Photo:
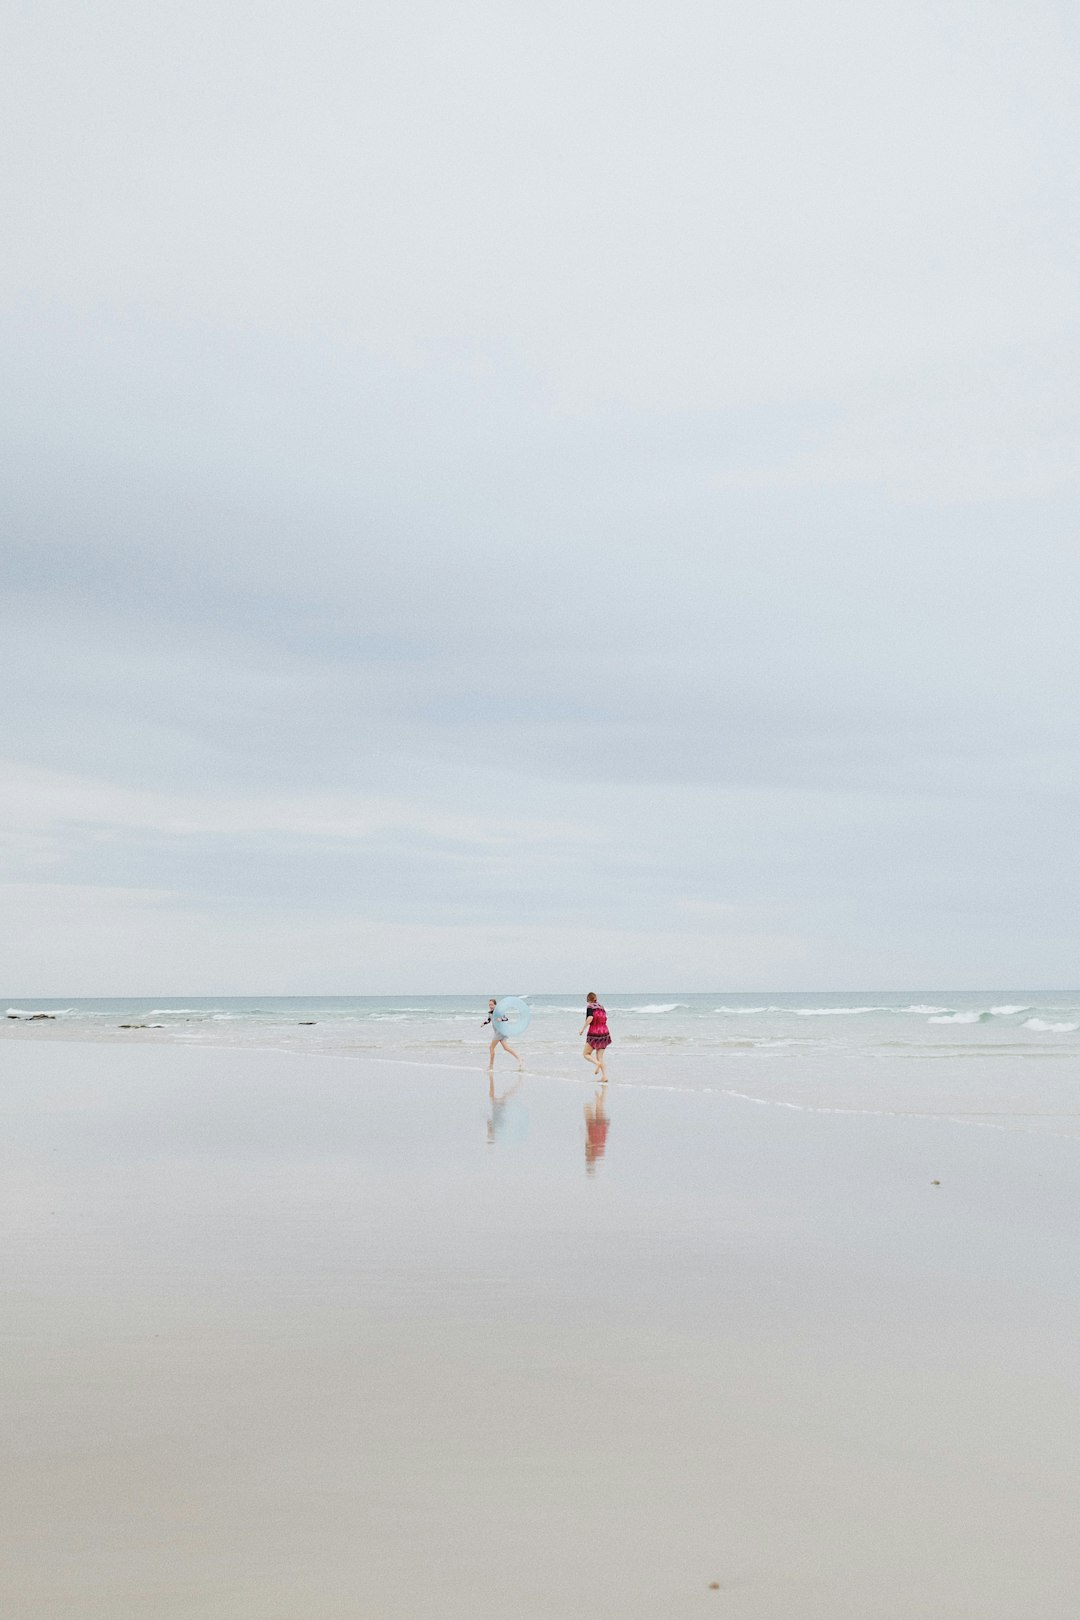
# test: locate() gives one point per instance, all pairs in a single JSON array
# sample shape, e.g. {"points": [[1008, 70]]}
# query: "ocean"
{"points": [[1004, 1059]]}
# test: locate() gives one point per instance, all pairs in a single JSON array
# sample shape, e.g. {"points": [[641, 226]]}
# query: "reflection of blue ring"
{"points": [[510, 1018]]}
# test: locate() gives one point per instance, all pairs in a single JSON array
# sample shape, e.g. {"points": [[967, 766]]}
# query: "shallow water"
{"points": [[1002, 1059]]}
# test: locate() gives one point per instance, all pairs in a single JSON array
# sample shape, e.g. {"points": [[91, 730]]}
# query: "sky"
{"points": [[539, 494]]}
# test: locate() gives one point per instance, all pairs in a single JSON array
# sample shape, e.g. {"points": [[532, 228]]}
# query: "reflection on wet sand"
{"points": [[596, 1129], [505, 1121]]}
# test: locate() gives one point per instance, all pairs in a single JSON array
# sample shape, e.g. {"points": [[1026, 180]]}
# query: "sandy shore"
{"points": [[314, 1339]]}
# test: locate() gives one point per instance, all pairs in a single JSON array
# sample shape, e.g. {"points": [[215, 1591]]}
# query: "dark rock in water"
{"points": [[140, 1026], [32, 1018], [304, 1022]]}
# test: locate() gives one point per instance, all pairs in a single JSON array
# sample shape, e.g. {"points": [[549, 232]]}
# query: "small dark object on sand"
{"points": [[714, 1586], [935, 1184]]}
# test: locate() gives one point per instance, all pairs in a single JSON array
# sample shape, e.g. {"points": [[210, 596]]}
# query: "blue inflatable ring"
{"points": [[510, 1018]]}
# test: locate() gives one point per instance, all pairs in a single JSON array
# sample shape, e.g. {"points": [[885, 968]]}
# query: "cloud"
{"points": [[482, 471], [1001, 428], [659, 209], [76, 935]]}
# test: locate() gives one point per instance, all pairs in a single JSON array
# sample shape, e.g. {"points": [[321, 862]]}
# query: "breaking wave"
{"points": [[41, 1012], [654, 1007], [836, 1012]]}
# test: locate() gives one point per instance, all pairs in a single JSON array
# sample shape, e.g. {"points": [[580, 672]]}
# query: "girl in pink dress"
{"points": [[598, 1039]]}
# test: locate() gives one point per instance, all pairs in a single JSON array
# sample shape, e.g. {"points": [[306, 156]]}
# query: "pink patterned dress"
{"points": [[599, 1035]]}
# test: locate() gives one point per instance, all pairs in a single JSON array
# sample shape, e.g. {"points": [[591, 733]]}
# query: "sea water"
{"points": [[1004, 1059]]}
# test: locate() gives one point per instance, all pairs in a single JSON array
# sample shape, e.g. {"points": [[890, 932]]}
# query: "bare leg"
{"points": [[491, 1055], [514, 1054], [589, 1055], [600, 1069]]}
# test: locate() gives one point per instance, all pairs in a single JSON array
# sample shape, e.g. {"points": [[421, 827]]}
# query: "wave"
{"points": [[42, 1012], [655, 1007], [1049, 1029], [163, 1012], [1006, 1012], [959, 1018], [736, 1012], [836, 1012], [918, 1008]]}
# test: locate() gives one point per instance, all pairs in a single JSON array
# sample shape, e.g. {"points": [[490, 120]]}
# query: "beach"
{"points": [[335, 1336]]}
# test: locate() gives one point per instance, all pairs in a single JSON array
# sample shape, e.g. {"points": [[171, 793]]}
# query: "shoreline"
{"points": [[986, 1118]]}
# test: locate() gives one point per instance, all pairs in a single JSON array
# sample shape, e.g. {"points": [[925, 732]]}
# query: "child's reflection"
{"points": [[596, 1129], [504, 1122]]}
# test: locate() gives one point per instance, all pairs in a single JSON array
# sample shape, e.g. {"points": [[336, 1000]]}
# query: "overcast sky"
{"points": [[534, 493]]}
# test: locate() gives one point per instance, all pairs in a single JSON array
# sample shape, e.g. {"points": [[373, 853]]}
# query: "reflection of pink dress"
{"points": [[598, 1036], [596, 1138]]}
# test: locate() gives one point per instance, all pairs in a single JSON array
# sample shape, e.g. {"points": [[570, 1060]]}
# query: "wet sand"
{"points": [[295, 1338]]}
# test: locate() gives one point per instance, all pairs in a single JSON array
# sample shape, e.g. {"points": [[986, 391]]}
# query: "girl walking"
{"points": [[498, 1040], [598, 1038]]}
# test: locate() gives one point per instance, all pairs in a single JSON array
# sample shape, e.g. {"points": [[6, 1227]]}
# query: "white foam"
{"points": [[958, 1018], [657, 1007], [835, 1012], [1006, 1012], [41, 1012], [736, 1012], [176, 1012], [1050, 1029], [918, 1008]]}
